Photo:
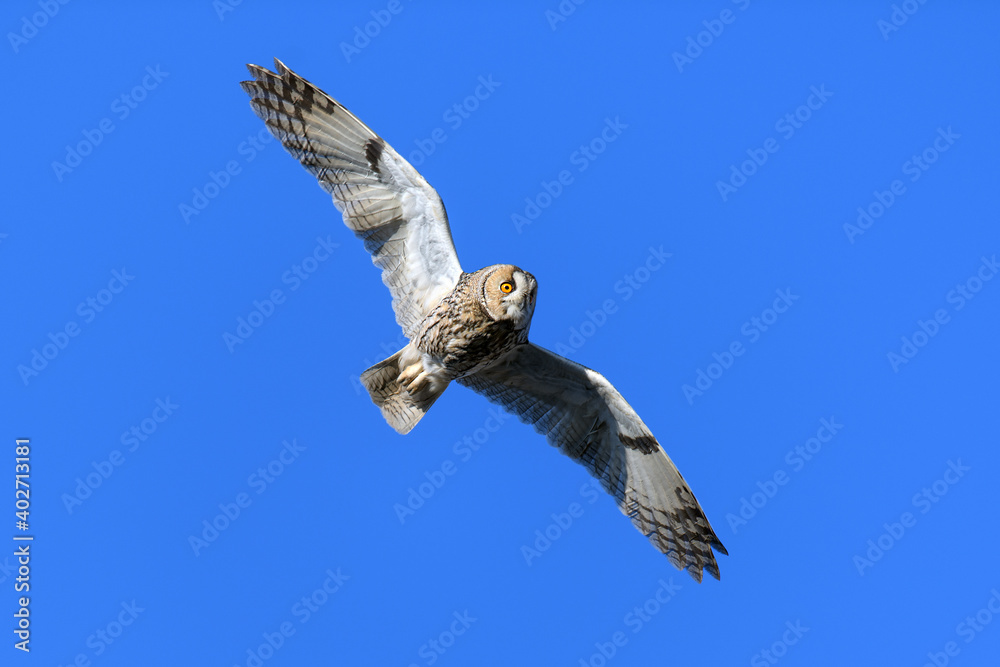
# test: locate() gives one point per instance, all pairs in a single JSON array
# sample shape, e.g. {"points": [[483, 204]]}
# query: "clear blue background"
{"points": [[334, 506]]}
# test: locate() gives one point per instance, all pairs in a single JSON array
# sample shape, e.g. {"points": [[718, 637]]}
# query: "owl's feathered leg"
{"points": [[402, 388]]}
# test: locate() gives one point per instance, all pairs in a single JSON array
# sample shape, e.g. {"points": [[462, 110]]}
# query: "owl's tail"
{"points": [[402, 389]]}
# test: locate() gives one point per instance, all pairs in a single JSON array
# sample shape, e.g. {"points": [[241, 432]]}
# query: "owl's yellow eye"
{"points": [[506, 288]]}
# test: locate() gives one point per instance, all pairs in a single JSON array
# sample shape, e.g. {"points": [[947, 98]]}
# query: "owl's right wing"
{"points": [[582, 414], [383, 199]]}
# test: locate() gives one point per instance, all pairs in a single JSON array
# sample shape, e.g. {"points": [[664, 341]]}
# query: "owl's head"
{"points": [[508, 293]]}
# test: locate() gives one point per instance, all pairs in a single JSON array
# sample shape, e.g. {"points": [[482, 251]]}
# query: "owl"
{"points": [[472, 328]]}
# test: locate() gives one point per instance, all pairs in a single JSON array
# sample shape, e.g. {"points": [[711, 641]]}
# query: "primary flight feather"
{"points": [[473, 327]]}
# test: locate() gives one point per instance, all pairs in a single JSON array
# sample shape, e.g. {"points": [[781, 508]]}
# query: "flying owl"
{"points": [[472, 328]]}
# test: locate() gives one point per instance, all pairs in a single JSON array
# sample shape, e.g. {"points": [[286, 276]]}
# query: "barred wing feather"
{"points": [[582, 414], [383, 199]]}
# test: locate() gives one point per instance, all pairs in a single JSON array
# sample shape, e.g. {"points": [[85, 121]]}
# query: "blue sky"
{"points": [[771, 226]]}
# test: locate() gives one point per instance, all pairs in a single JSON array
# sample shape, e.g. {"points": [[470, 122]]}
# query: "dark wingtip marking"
{"points": [[373, 153], [644, 443]]}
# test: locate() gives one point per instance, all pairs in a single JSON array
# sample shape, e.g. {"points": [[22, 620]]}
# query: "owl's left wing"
{"points": [[582, 414], [383, 199]]}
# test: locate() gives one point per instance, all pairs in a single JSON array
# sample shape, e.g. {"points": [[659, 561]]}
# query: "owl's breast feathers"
{"points": [[461, 335]]}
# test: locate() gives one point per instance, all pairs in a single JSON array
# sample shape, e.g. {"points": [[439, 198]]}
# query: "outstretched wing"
{"points": [[582, 414], [384, 200]]}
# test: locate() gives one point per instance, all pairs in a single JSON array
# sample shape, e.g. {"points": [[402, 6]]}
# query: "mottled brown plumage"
{"points": [[468, 329]]}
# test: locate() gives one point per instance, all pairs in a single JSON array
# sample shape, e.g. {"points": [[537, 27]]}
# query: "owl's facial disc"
{"points": [[509, 294], [519, 298]]}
